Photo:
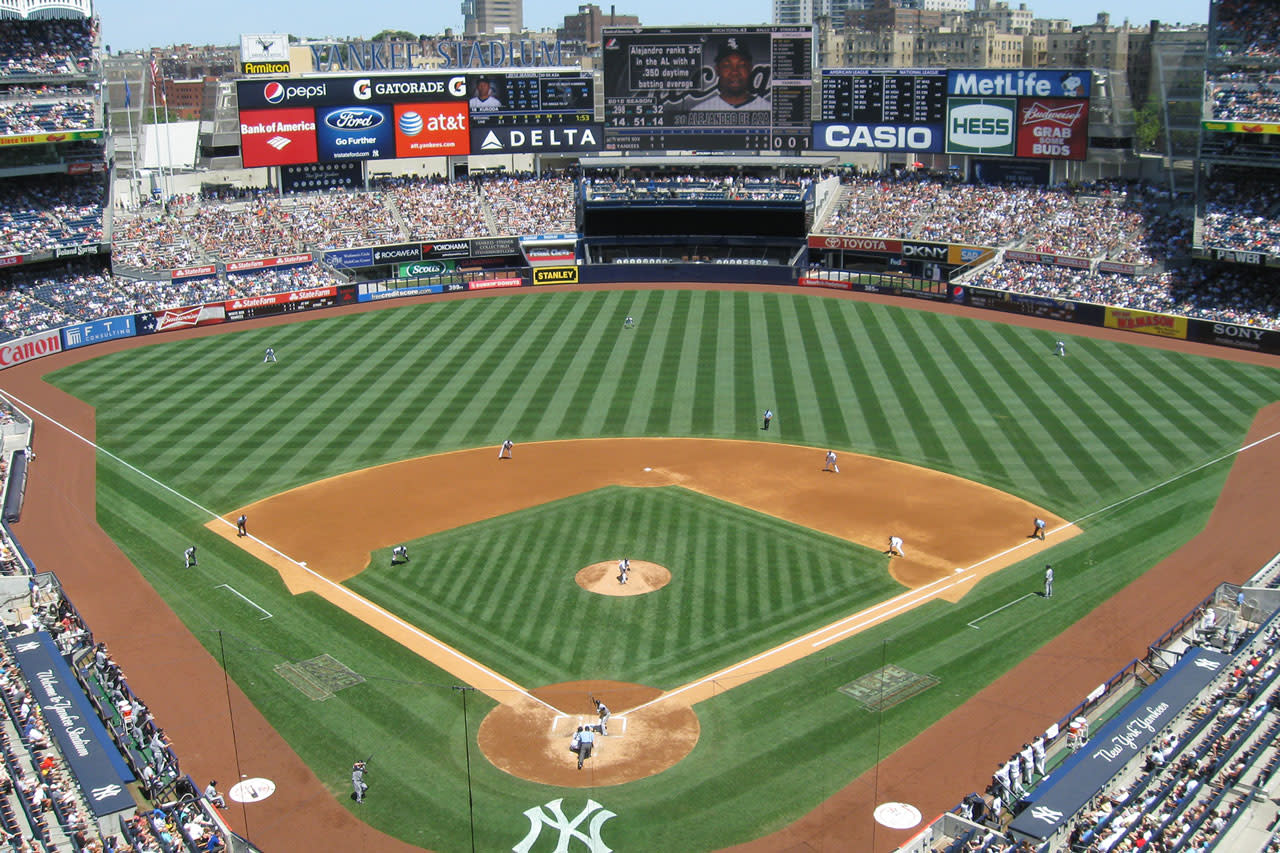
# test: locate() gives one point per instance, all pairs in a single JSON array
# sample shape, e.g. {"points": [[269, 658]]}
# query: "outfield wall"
{"points": [[1167, 326]]}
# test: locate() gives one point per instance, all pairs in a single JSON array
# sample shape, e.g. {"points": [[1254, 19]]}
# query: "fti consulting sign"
{"points": [[981, 125]]}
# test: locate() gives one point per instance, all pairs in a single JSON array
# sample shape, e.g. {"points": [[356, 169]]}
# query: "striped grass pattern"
{"points": [[982, 400]]}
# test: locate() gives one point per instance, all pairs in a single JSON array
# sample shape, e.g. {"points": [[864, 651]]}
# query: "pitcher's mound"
{"points": [[603, 578], [531, 740]]}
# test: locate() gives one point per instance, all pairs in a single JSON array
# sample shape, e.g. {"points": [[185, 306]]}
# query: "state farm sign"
{"points": [[30, 348]]}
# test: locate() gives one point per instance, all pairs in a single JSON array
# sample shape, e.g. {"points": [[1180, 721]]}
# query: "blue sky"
{"points": [[130, 24]]}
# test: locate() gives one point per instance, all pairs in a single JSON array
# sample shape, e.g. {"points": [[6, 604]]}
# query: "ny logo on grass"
{"points": [[539, 817]]}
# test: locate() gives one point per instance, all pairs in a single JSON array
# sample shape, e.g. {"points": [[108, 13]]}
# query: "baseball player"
{"points": [[768, 418], [399, 554], [1002, 780], [1015, 774], [270, 356], [1028, 763], [190, 556], [895, 547], [242, 525], [1062, 349], [628, 323], [358, 785], [831, 462], [603, 711], [586, 742], [624, 569], [1048, 581], [575, 741], [1038, 531], [1037, 753], [504, 452]]}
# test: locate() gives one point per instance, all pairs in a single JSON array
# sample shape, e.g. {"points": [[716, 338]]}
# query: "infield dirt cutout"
{"points": [[955, 532]]}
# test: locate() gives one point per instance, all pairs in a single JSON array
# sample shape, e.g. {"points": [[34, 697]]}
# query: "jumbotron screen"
{"points": [[707, 88]]}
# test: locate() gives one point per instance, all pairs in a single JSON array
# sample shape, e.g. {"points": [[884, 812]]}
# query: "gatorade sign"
{"points": [[981, 125]]}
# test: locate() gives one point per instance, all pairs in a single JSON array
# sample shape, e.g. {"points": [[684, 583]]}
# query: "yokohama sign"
{"points": [[29, 348], [856, 244]]}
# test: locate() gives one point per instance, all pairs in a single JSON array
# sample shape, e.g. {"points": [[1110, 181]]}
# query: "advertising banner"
{"points": [[337, 91], [1241, 126], [1039, 83], [76, 251], [548, 254], [172, 319], [489, 246], [926, 251], [555, 275], [10, 260], [1019, 303], [981, 125], [1048, 259], [354, 133], [418, 269], [100, 770], [349, 258], [283, 303], [29, 348], [369, 294], [530, 139], [1117, 267], [1230, 335], [446, 249], [819, 281], [491, 283], [265, 263], [961, 255], [98, 331], [277, 137], [918, 138], [1146, 322], [1239, 256], [1053, 128], [875, 245], [401, 253], [431, 130], [42, 138], [204, 271]]}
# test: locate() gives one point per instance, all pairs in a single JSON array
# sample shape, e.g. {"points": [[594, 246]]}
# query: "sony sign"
{"points": [[1242, 332], [920, 138]]}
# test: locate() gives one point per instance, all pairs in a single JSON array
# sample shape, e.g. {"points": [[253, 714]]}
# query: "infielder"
{"points": [[624, 569], [1048, 581], [270, 356], [242, 523], [190, 556], [504, 452], [1038, 531], [895, 547], [1062, 349], [399, 554], [831, 462], [358, 785]]}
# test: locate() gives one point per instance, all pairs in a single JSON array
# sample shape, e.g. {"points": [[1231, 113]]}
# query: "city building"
{"points": [[585, 26], [492, 17]]}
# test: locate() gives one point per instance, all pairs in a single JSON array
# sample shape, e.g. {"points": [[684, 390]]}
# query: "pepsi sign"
{"points": [[355, 133]]}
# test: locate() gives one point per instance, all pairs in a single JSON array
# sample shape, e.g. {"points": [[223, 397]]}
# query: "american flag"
{"points": [[156, 84]]}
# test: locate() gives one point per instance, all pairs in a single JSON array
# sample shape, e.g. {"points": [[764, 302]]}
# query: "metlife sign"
{"points": [[981, 125], [350, 90], [1040, 83], [920, 138], [533, 140]]}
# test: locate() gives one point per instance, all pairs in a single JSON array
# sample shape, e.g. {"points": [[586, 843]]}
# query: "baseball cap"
{"points": [[731, 46]]}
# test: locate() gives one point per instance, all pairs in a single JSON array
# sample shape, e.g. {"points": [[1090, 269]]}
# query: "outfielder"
{"points": [[895, 547], [628, 323], [1062, 349], [1048, 581], [399, 554], [270, 356], [504, 452], [768, 418], [190, 556], [831, 462], [1038, 531]]}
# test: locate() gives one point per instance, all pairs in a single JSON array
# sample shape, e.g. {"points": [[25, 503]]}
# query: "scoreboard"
{"points": [[884, 96], [537, 98], [664, 88]]}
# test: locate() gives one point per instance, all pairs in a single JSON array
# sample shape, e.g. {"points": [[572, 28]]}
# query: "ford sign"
{"points": [[354, 118]]}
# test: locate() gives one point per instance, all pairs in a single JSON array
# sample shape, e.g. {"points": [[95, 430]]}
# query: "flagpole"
{"points": [[133, 140]]}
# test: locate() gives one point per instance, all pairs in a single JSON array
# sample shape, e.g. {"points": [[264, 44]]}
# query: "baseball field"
{"points": [[953, 432]]}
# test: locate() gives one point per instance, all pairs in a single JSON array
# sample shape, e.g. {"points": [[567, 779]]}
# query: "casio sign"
{"points": [[981, 125], [880, 137], [354, 118]]}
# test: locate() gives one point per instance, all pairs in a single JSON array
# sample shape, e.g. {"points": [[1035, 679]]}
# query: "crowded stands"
{"points": [[46, 212], [1240, 213], [46, 47], [1249, 28]]}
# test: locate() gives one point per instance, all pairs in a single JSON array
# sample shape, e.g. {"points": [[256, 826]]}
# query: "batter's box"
{"points": [[320, 677], [886, 687]]}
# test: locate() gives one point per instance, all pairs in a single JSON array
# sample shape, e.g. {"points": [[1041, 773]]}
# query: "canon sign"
{"points": [[26, 349]]}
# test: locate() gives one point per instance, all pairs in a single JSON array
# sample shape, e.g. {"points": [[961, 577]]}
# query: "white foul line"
{"points": [[246, 600], [974, 623], [358, 599]]}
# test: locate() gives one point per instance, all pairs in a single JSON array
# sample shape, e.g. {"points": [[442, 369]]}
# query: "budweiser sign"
{"points": [[1065, 115]]}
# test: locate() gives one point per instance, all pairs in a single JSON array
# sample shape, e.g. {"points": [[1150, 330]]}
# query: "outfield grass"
{"points": [[982, 400]]}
